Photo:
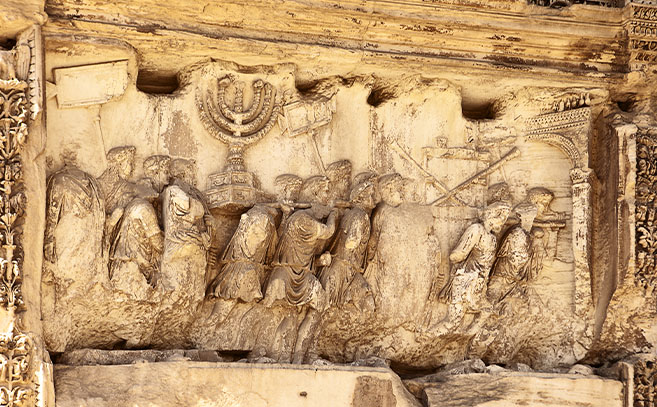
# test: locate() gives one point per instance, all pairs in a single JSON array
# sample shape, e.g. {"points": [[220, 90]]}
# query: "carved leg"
{"points": [[305, 335], [278, 350]]}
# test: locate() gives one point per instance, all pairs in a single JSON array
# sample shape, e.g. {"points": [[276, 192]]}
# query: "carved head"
{"points": [[499, 192], [288, 187], [69, 157], [518, 184], [392, 189], [184, 170], [541, 197], [495, 216], [372, 178], [316, 190], [156, 167], [537, 233], [526, 214], [339, 173], [255, 228], [122, 160], [409, 190], [365, 176], [362, 195]]}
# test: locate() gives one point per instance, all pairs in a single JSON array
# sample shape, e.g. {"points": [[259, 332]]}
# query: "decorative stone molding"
{"points": [[566, 3], [547, 128], [642, 33], [17, 384]]}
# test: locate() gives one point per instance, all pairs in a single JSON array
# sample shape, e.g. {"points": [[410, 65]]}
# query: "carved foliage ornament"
{"points": [[17, 386], [15, 370], [13, 133], [646, 195], [645, 383]]}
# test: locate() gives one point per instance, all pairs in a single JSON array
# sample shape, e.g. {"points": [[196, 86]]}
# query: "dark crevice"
{"points": [[157, 82], [405, 371], [7, 44], [479, 111], [626, 104], [378, 96], [305, 88]]}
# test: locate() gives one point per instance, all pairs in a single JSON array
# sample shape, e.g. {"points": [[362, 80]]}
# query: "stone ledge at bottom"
{"points": [[524, 389], [205, 384]]}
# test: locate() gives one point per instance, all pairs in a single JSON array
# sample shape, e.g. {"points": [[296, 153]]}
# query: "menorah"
{"points": [[238, 126]]}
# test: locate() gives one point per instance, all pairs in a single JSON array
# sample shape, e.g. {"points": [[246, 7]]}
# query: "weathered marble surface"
{"points": [[18, 15], [407, 255], [517, 389], [235, 384], [471, 102]]}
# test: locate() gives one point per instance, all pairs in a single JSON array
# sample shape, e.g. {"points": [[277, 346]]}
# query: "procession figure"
{"points": [[339, 175], [391, 188], [288, 188], [156, 177], [156, 172], [343, 278], [72, 192], [132, 231], [293, 277], [186, 215], [472, 259], [545, 231], [181, 282], [513, 266], [243, 263]]}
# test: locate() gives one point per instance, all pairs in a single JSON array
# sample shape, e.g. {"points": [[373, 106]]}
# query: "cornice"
{"points": [[583, 44]]}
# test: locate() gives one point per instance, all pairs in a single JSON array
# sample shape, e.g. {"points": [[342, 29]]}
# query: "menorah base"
{"points": [[231, 192]]}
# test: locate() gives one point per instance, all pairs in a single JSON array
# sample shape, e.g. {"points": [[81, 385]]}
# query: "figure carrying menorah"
{"points": [[223, 112]]}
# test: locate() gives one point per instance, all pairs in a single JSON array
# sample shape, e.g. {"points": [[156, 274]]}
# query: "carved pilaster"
{"points": [[646, 194], [626, 199], [639, 375], [17, 370], [582, 221]]}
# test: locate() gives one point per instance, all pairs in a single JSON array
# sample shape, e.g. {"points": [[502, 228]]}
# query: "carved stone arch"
{"points": [[563, 143]]}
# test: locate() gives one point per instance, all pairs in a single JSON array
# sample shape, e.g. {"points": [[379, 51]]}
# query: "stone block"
{"points": [[524, 389], [228, 384]]}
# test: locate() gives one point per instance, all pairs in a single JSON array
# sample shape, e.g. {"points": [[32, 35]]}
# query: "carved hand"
{"points": [[325, 259], [49, 250], [287, 209], [209, 220]]}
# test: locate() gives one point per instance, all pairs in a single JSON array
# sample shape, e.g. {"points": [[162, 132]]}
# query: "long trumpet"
{"points": [[306, 205], [488, 170]]}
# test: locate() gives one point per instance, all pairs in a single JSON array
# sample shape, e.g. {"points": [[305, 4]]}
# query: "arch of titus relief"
{"points": [[325, 203]]}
